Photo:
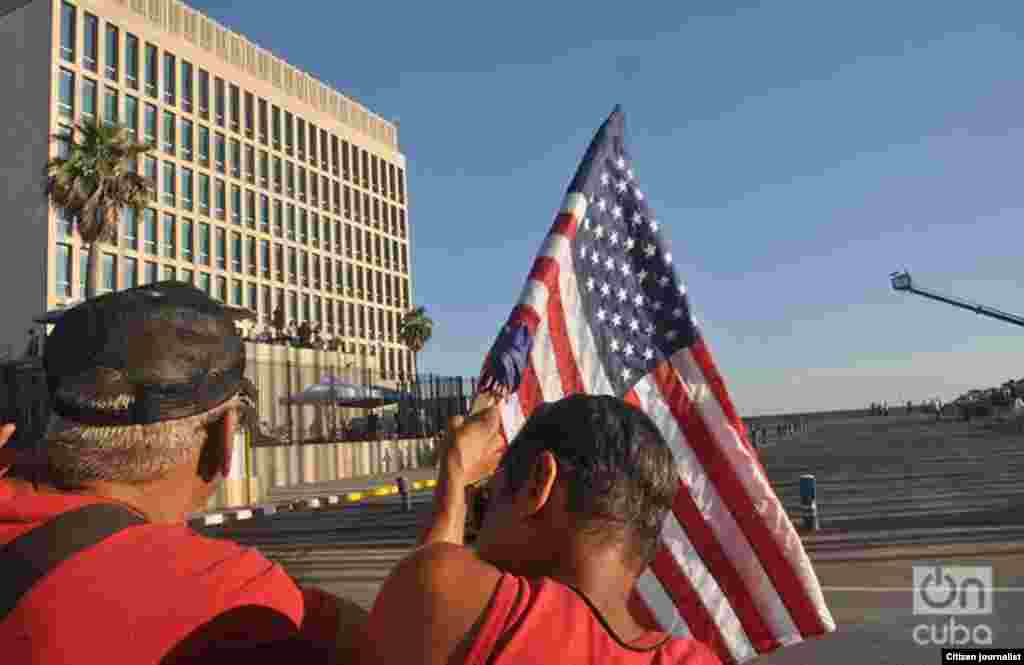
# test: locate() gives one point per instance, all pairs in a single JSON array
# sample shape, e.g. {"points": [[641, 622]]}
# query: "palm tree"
{"points": [[95, 182], [414, 330]]}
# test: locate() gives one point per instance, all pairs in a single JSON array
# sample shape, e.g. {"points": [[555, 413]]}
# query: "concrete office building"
{"points": [[272, 188]]}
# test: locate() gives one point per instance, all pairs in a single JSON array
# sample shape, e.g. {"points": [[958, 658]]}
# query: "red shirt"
{"points": [[137, 594], [542, 621]]}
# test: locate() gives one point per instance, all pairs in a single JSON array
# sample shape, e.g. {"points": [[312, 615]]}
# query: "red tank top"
{"points": [[543, 621]]}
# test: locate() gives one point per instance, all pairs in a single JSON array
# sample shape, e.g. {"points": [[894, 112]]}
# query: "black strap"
{"points": [[32, 556]]}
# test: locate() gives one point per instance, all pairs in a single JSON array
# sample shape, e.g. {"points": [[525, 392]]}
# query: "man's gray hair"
{"points": [[78, 453]]}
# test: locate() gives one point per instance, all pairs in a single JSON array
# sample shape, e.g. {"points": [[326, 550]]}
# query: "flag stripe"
{"points": [[753, 504], [654, 608], [702, 355], [716, 535], [688, 602], [546, 271]]}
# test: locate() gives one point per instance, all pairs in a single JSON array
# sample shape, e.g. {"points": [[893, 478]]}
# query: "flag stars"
{"points": [[667, 257], [599, 231], [622, 295], [677, 313], [663, 281], [648, 354], [626, 373], [614, 345], [605, 289], [620, 186], [595, 258], [602, 205], [649, 329], [638, 300], [629, 174], [650, 250], [590, 284], [638, 219], [609, 264], [601, 314], [625, 269], [617, 320], [605, 178], [620, 164], [628, 350], [641, 276], [634, 325], [630, 243], [614, 238], [638, 194], [586, 221], [584, 251], [656, 305], [617, 212], [654, 226], [682, 289]]}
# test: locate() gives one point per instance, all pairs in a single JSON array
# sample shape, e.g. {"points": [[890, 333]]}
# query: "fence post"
{"points": [[808, 499]]}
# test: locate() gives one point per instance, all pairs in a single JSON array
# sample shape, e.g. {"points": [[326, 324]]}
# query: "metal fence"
{"points": [[417, 408]]}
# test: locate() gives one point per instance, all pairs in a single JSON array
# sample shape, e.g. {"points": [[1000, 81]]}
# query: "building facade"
{"points": [[272, 189]]}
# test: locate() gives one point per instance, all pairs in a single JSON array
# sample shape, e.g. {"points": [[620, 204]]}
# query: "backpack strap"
{"points": [[32, 556]]}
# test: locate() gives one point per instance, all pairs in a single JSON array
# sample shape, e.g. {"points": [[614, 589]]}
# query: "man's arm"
{"points": [[429, 610]]}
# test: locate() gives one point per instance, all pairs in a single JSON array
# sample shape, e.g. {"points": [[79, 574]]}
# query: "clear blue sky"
{"points": [[796, 153]]}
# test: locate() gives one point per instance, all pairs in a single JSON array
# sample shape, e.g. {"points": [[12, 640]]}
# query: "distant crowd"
{"points": [[759, 433]]}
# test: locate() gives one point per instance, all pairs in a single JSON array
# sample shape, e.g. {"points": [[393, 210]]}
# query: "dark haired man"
{"points": [[574, 517]]}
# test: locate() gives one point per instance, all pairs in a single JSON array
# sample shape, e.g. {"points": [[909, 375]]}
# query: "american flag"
{"points": [[604, 313]]}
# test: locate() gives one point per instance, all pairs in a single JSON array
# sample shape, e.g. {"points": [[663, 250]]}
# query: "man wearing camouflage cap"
{"points": [[147, 389]]}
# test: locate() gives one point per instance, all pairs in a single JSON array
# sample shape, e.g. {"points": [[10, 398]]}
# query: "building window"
{"points": [[149, 124], [170, 124], [312, 144], [171, 237], [83, 272], [265, 258], [169, 273], [186, 86], [264, 168], [251, 253], [275, 126], [187, 240], [236, 158], [149, 231], [306, 313], [236, 205], [249, 118], [304, 268], [151, 70], [262, 107], [250, 209], [149, 166], [66, 104], [219, 152], [334, 157], [151, 273], [204, 94], [300, 137], [113, 52], [109, 272], [204, 243], [204, 282], [68, 25], [278, 218], [89, 98], [131, 60], [131, 275], [129, 229], [264, 213], [290, 179], [222, 289], [373, 174], [250, 163], [170, 180], [236, 251], [236, 111], [291, 222], [186, 188], [90, 50], [187, 130], [288, 133], [204, 145], [204, 194], [277, 174], [236, 292], [220, 199], [222, 247], [279, 263], [65, 224], [302, 184], [188, 277], [293, 267], [315, 224], [63, 270], [131, 112], [267, 304], [218, 100], [303, 227], [170, 79], [253, 296]]}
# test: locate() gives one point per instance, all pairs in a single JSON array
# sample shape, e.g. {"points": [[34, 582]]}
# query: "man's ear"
{"points": [[216, 454], [541, 483]]}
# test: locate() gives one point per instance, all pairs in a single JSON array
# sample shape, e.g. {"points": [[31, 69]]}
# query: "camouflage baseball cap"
{"points": [[144, 355]]}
